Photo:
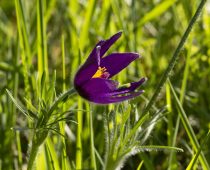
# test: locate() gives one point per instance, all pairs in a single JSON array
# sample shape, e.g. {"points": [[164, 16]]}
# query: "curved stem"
{"points": [[175, 57]]}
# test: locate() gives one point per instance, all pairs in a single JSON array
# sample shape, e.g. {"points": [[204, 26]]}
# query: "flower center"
{"points": [[101, 73]]}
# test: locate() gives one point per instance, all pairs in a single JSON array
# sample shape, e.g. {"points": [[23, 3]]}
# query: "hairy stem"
{"points": [[34, 151], [39, 137], [174, 58]]}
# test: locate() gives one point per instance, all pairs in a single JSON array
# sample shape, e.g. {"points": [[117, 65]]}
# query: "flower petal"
{"points": [[105, 45], [96, 87], [109, 98], [84, 74], [116, 62], [87, 70], [104, 91]]}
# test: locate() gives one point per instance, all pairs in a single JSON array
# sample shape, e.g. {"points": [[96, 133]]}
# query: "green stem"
{"points": [[92, 148], [79, 136], [174, 58], [34, 151], [189, 130], [40, 138], [62, 124], [194, 159]]}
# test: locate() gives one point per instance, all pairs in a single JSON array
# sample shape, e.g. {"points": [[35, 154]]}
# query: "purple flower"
{"points": [[92, 81]]}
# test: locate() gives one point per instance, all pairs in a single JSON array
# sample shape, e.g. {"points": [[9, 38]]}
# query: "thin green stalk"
{"points": [[24, 32], [23, 51], [174, 58], [14, 113], [172, 154], [23, 40], [189, 130], [87, 21], [79, 135], [63, 63], [182, 93], [195, 157], [33, 153], [49, 10], [41, 40], [39, 137], [140, 165], [170, 122], [92, 147], [51, 157], [20, 158], [62, 123]]}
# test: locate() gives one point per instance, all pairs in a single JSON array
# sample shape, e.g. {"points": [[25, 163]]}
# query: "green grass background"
{"points": [[42, 44]]}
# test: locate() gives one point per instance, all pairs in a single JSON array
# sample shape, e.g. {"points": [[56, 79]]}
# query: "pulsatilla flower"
{"points": [[92, 81]]}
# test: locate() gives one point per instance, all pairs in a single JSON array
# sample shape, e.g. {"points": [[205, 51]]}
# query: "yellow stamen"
{"points": [[100, 72]]}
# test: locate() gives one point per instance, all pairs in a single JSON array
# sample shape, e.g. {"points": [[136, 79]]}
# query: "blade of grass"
{"points": [[18, 141], [13, 117], [174, 57], [41, 160], [156, 11], [117, 10], [195, 157], [38, 140], [18, 105], [158, 147], [170, 122], [51, 157], [62, 123], [22, 36], [147, 162], [41, 40], [104, 18], [85, 27], [32, 158], [60, 99], [135, 129], [79, 136], [172, 133], [92, 147], [99, 158], [140, 165], [189, 130], [182, 93], [24, 31], [49, 10]]}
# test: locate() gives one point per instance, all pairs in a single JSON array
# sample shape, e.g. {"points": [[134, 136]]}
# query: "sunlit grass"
{"points": [[44, 124]]}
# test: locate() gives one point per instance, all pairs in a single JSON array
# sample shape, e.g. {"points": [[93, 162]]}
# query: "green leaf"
{"points": [[195, 157], [140, 165], [189, 129], [156, 11], [18, 105], [31, 108], [157, 148]]}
